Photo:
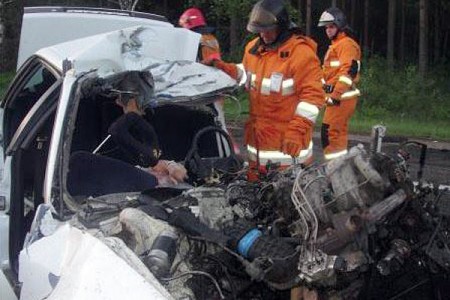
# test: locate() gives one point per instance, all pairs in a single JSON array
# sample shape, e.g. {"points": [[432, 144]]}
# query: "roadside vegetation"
{"points": [[400, 99], [5, 79]]}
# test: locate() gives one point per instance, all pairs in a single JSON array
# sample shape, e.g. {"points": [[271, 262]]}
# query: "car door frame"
{"points": [[14, 143]]}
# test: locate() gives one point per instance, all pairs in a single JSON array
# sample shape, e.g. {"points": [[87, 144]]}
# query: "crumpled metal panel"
{"points": [[133, 48], [72, 264]]}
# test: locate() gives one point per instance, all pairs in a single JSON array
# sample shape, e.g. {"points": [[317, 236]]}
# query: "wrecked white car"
{"points": [[59, 107], [81, 228]]}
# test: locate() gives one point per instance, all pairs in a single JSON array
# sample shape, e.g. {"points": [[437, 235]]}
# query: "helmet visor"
{"points": [[326, 19], [261, 19]]}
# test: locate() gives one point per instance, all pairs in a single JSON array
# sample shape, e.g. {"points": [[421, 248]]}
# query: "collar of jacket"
{"points": [[260, 47], [204, 29], [341, 35]]}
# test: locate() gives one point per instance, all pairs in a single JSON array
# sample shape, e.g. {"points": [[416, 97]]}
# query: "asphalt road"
{"points": [[437, 160]]}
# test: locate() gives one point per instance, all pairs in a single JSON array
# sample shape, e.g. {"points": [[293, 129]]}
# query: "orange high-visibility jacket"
{"points": [[284, 86], [337, 63], [209, 47]]}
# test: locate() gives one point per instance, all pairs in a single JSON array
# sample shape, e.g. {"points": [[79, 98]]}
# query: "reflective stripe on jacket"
{"points": [[278, 157]]}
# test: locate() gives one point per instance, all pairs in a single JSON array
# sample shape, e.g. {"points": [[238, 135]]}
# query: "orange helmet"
{"points": [[192, 18]]}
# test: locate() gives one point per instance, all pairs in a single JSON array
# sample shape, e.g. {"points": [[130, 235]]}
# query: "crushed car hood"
{"points": [[51, 267], [177, 77], [132, 48]]}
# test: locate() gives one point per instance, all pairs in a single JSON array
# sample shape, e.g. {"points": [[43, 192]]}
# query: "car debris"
{"points": [[345, 228]]}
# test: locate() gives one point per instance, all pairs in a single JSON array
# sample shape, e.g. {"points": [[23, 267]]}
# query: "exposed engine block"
{"points": [[331, 227]]}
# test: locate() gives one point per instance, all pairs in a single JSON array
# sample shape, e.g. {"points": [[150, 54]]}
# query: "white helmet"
{"points": [[333, 15]]}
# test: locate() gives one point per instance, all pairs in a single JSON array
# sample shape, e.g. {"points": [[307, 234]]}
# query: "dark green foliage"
{"points": [[5, 79], [402, 93], [395, 93]]}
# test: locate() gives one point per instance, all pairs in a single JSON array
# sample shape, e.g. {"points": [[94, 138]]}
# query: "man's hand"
{"points": [[333, 102], [210, 61], [161, 167], [231, 69], [291, 148], [297, 137], [175, 171]]}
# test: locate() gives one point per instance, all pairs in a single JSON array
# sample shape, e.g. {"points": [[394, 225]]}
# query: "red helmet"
{"points": [[192, 18]]}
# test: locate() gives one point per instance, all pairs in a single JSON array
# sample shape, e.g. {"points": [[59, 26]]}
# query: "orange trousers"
{"points": [[255, 173], [335, 126]]}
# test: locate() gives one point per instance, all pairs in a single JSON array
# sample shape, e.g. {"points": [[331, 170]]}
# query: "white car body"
{"points": [[66, 262], [74, 23]]}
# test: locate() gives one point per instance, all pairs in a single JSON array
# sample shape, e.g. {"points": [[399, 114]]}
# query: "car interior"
{"points": [[106, 172], [33, 110]]}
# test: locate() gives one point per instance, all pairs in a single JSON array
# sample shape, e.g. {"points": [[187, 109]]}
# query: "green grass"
{"points": [[5, 79], [437, 130], [361, 123]]}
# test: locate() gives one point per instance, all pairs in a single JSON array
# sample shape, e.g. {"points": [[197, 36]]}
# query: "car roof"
{"points": [[46, 26], [133, 48], [92, 10]]}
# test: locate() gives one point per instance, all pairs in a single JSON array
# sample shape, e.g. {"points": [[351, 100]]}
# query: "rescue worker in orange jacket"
{"points": [[209, 49], [341, 74], [194, 20], [283, 78]]}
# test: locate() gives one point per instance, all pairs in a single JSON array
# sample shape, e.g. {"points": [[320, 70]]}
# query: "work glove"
{"points": [[333, 102], [328, 88], [210, 61], [354, 69], [298, 136], [229, 68]]}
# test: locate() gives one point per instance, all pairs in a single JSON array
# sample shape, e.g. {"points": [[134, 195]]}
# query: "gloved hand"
{"points": [[229, 68], [333, 102], [354, 69], [209, 61], [328, 88], [297, 137]]}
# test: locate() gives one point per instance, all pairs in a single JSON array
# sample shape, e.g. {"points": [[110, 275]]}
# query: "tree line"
{"points": [[402, 31]]}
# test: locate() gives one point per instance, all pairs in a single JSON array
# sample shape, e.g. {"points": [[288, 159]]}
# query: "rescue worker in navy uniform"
{"points": [[341, 74], [284, 83]]}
